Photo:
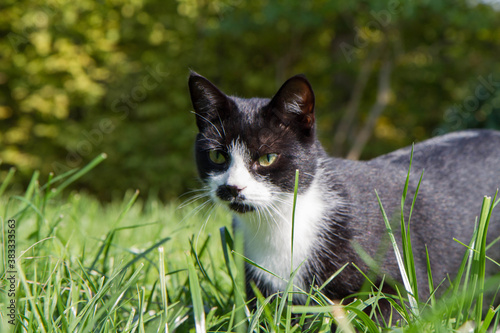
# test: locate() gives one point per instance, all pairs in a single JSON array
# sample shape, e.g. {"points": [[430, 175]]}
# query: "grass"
{"points": [[137, 265]]}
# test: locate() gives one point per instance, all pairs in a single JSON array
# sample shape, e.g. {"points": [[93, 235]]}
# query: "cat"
{"points": [[247, 153]]}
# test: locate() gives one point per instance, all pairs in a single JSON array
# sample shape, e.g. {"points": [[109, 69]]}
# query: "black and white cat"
{"points": [[247, 152]]}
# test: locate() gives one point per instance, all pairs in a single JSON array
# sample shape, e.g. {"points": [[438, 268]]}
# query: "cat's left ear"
{"points": [[295, 101], [208, 101]]}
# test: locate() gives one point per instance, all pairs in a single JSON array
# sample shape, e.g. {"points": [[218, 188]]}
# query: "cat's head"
{"points": [[247, 150]]}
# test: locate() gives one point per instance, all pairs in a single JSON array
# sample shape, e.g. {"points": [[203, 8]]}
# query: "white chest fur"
{"points": [[268, 235]]}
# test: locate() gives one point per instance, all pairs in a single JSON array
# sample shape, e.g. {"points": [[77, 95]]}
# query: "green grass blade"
{"points": [[487, 321], [31, 187], [333, 276], [364, 318], [197, 256], [496, 324], [238, 280], [406, 232], [463, 275], [145, 252], [262, 308], [286, 295], [140, 296], [253, 263], [28, 199], [96, 161], [295, 190], [41, 322], [480, 256], [405, 189], [29, 204], [195, 289], [227, 243], [126, 209], [399, 260], [163, 286], [128, 325], [429, 278], [7, 180], [408, 249], [111, 302], [292, 274]]}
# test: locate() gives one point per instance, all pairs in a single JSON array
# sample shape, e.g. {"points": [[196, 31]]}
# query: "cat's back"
{"points": [[453, 151], [465, 156], [458, 170]]}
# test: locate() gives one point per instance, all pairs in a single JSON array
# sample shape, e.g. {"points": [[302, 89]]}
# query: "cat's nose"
{"points": [[229, 192]]}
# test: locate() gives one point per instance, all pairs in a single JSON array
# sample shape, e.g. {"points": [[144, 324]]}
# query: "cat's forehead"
{"points": [[250, 107], [248, 122], [250, 128]]}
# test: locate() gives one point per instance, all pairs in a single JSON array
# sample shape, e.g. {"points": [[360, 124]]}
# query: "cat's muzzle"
{"points": [[233, 195]]}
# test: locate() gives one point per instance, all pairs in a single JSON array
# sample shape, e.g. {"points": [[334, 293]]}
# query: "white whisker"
{"points": [[204, 224], [208, 121]]}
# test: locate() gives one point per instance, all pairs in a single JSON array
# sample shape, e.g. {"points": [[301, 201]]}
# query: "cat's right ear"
{"points": [[209, 102], [294, 102]]}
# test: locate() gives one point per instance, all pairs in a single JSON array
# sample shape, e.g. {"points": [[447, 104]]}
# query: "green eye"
{"points": [[267, 159], [217, 157]]}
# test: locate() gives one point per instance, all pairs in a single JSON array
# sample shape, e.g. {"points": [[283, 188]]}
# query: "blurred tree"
{"points": [[80, 78]]}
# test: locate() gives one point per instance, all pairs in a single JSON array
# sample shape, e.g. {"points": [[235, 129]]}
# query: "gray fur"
{"points": [[459, 169]]}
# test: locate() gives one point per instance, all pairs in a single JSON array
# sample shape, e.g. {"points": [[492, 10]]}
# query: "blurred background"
{"points": [[78, 78]]}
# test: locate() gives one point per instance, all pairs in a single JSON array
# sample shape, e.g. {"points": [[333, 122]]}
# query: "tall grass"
{"points": [[87, 267], [137, 265]]}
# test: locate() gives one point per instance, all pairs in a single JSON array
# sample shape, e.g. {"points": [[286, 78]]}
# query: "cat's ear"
{"points": [[295, 101], [208, 101]]}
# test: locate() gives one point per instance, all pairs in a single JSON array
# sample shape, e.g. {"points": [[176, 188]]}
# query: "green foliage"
{"points": [[81, 78]]}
